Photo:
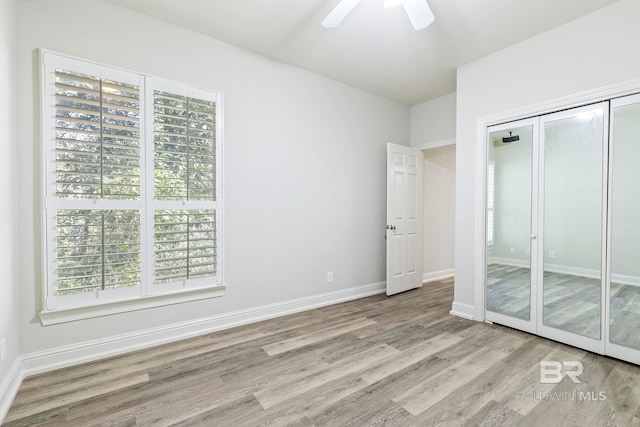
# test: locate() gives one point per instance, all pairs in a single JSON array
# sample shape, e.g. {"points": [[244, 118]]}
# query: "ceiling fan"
{"points": [[418, 10]]}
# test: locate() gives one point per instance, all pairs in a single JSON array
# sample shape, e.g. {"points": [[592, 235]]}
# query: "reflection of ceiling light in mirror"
{"points": [[588, 115]]}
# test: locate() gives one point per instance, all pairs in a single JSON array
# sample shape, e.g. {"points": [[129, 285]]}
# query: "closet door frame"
{"points": [[523, 325], [591, 344]]}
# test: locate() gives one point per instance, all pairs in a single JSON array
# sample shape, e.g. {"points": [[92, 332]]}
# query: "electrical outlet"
{"points": [[552, 254], [3, 349], [512, 250], [330, 277]]}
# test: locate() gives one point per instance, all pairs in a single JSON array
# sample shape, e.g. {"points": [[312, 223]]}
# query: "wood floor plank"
{"points": [[234, 413], [409, 357], [389, 414], [422, 396], [494, 414], [529, 354], [460, 405], [363, 403], [313, 337], [181, 407], [623, 393], [224, 360], [140, 398], [341, 347], [50, 399], [272, 395], [45, 418], [282, 367], [311, 403]]}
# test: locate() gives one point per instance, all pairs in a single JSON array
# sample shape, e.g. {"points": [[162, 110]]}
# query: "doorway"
{"points": [[439, 212], [420, 214]]}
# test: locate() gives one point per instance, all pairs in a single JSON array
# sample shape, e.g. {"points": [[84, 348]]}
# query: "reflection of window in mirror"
{"points": [[491, 174]]}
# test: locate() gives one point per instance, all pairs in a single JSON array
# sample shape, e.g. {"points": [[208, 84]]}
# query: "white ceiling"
{"points": [[375, 49]]}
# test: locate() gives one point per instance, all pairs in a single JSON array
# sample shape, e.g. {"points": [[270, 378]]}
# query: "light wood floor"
{"points": [[401, 361]]}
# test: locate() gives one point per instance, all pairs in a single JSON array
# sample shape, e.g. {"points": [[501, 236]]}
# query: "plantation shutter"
{"points": [[185, 244], [185, 184], [97, 250], [97, 137], [131, 186], [94, 187], [185, 155]]}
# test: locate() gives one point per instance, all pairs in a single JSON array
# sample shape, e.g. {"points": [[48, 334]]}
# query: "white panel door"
{"points": [[404, 218]]}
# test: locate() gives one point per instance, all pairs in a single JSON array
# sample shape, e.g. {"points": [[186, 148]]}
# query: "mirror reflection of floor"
{"points": [[508, 290], [571, 303]]}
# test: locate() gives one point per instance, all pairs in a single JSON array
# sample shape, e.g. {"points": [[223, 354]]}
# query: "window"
{"points": [[133, 189]]}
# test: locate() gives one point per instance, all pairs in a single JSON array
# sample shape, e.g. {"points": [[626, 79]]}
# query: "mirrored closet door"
{"points": [[572, 225], [511, 162], [623, 288], [563, 226]]}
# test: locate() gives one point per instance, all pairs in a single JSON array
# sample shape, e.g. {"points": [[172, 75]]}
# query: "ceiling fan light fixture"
{"points": [[392, 3], [337, 15], [418, 11]]}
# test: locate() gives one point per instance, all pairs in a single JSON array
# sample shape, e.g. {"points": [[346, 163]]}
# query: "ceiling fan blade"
{"points": [[419, 13], [335, 17]]}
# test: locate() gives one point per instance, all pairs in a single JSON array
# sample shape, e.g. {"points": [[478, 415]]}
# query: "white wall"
{"points": [[434, 120], [587, 53], [8, 281], [439, 211], [304, 171]]}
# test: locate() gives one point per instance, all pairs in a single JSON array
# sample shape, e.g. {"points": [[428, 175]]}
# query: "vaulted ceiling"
{"points": [[374, 48]]}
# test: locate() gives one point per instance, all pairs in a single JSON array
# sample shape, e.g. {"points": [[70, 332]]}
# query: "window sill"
{"points": [[65, 315]]}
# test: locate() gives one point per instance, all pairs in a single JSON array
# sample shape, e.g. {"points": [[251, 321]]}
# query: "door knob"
{"points": [[533, 236], [392, 227]]}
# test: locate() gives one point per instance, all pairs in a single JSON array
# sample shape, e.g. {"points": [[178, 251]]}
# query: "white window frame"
{"points": [[58, 309]]}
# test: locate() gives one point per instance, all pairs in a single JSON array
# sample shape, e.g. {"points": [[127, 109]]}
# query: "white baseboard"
{"points": [[60, 357], [566, 269], [438, 275], [508, 261], [625, 280], [573, 271], [462, 310], [9, 388]]}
